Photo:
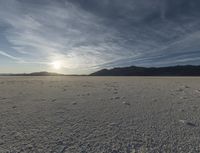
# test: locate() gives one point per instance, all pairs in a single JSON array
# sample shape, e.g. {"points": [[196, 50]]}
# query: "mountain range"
{"points": [[184, 70], [33, 74]]}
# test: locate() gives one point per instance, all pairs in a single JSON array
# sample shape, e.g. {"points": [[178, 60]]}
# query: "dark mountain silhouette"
{"points": [[34, 74], [185, 70]]}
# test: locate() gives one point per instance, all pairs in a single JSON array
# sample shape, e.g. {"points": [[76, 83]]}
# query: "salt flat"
{"points": [[99, 114]]}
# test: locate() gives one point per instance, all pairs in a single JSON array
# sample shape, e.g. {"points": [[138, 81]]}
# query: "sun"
{"points": [[57, 65]]}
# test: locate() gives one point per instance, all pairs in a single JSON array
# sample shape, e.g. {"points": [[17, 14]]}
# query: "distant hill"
{"points": [[34, 74], [185, 70]]}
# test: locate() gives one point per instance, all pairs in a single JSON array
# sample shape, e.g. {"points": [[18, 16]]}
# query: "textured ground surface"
{"points": [[99, 115]]}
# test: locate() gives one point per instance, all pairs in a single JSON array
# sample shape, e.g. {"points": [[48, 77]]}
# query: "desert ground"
{"points": [[99, 114]]}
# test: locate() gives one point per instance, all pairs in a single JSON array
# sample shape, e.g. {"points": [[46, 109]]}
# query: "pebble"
{"points": [[126, 103], [187, 123], [117, 97], [183, 97], [61, 149], [14, 107], [1, 142], [113, 124], [155, 100], [2, 98], [74, 103], [185, 86], [53, 100], [180, 90], [133, 151], [114, 151], [114, 98], [181, 110]]}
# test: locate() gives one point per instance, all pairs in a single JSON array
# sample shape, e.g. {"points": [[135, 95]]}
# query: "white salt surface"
{"points": [[99, 114]]}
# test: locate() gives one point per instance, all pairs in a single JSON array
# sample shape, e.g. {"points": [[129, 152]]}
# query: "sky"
{"points": [[83, 36]]}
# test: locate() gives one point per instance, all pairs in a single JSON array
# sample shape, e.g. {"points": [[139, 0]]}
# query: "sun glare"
{"points": [[57, 65]]}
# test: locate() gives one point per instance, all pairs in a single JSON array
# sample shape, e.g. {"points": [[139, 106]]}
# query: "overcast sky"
{"points": [[87, 35]]}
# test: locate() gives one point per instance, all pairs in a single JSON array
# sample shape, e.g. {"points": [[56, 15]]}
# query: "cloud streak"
{"points": [[10, 56]]}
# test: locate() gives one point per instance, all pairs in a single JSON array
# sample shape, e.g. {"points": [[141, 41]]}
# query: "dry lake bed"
{"points": [[99, 114]]}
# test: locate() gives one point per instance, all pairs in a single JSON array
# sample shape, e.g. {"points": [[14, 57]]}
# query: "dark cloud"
{"points": [[140, 8]]}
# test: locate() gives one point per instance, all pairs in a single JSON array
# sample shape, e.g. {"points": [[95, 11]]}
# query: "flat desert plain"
{"points": [[99, 114]]}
